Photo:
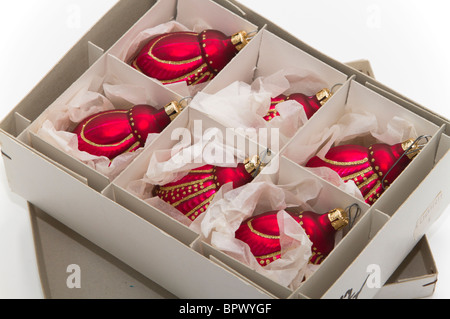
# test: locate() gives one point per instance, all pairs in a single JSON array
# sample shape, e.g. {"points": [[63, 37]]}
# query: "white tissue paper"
{"points": [[243, 105], [59, 120], [219, 223], [354, 127], [131, 48], [169, 165]]}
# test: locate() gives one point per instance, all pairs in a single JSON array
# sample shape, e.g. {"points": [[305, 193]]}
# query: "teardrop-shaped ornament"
{"points": [[188, 57], [114, 132], [311, 104], [193, 193], [262, 233], [372, 168]]}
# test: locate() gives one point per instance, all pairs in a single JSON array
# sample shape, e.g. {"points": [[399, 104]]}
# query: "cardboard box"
{"points": [[128, 228], [104, 276]]}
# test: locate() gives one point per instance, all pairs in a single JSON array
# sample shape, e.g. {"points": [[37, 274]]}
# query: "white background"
{"points": [[406, 42]]}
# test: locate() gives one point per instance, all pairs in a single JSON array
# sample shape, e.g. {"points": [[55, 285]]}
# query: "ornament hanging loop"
{"points": [[353, 208], [251, 34], [332, 90], [262, 161], [180, 102], [411, 149]]}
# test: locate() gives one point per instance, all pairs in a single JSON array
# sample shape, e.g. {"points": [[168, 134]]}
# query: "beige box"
{"points": [[104, 276], [99, 207]]}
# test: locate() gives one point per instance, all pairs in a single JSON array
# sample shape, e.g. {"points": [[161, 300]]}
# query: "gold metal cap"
{"points": [[240, 40], [173, 109], [323, 96], [253, 165], [415, 149], [338, 218]]}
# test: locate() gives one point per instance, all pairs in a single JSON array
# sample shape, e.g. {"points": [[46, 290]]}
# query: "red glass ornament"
{"points": [[114, 132], [188, 56], [192, 194], [371, 168], [311, 104], [262, 234]]}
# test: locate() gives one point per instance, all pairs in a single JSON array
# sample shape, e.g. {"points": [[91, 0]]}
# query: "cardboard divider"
{"points": [[161, 12], [307, 74], [76, 61], [385, 109], [263, 292], [410, 105], [361, 100], [241, 68], [152, 215], [107, 70], [94, 53], [443, 147], [244, 271], [325, 117], [192, 15], [276, 54], [330, 197], [344, 254], [21, 123], [213, 14], [92, 178], [234, 138], [137, 170], [411, 177]]}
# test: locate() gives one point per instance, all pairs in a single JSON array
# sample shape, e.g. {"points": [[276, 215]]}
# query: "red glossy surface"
{"points": [[310, 104], [193, 193], [112, 133], [185, 56], [262, 233], [365, 166]]}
